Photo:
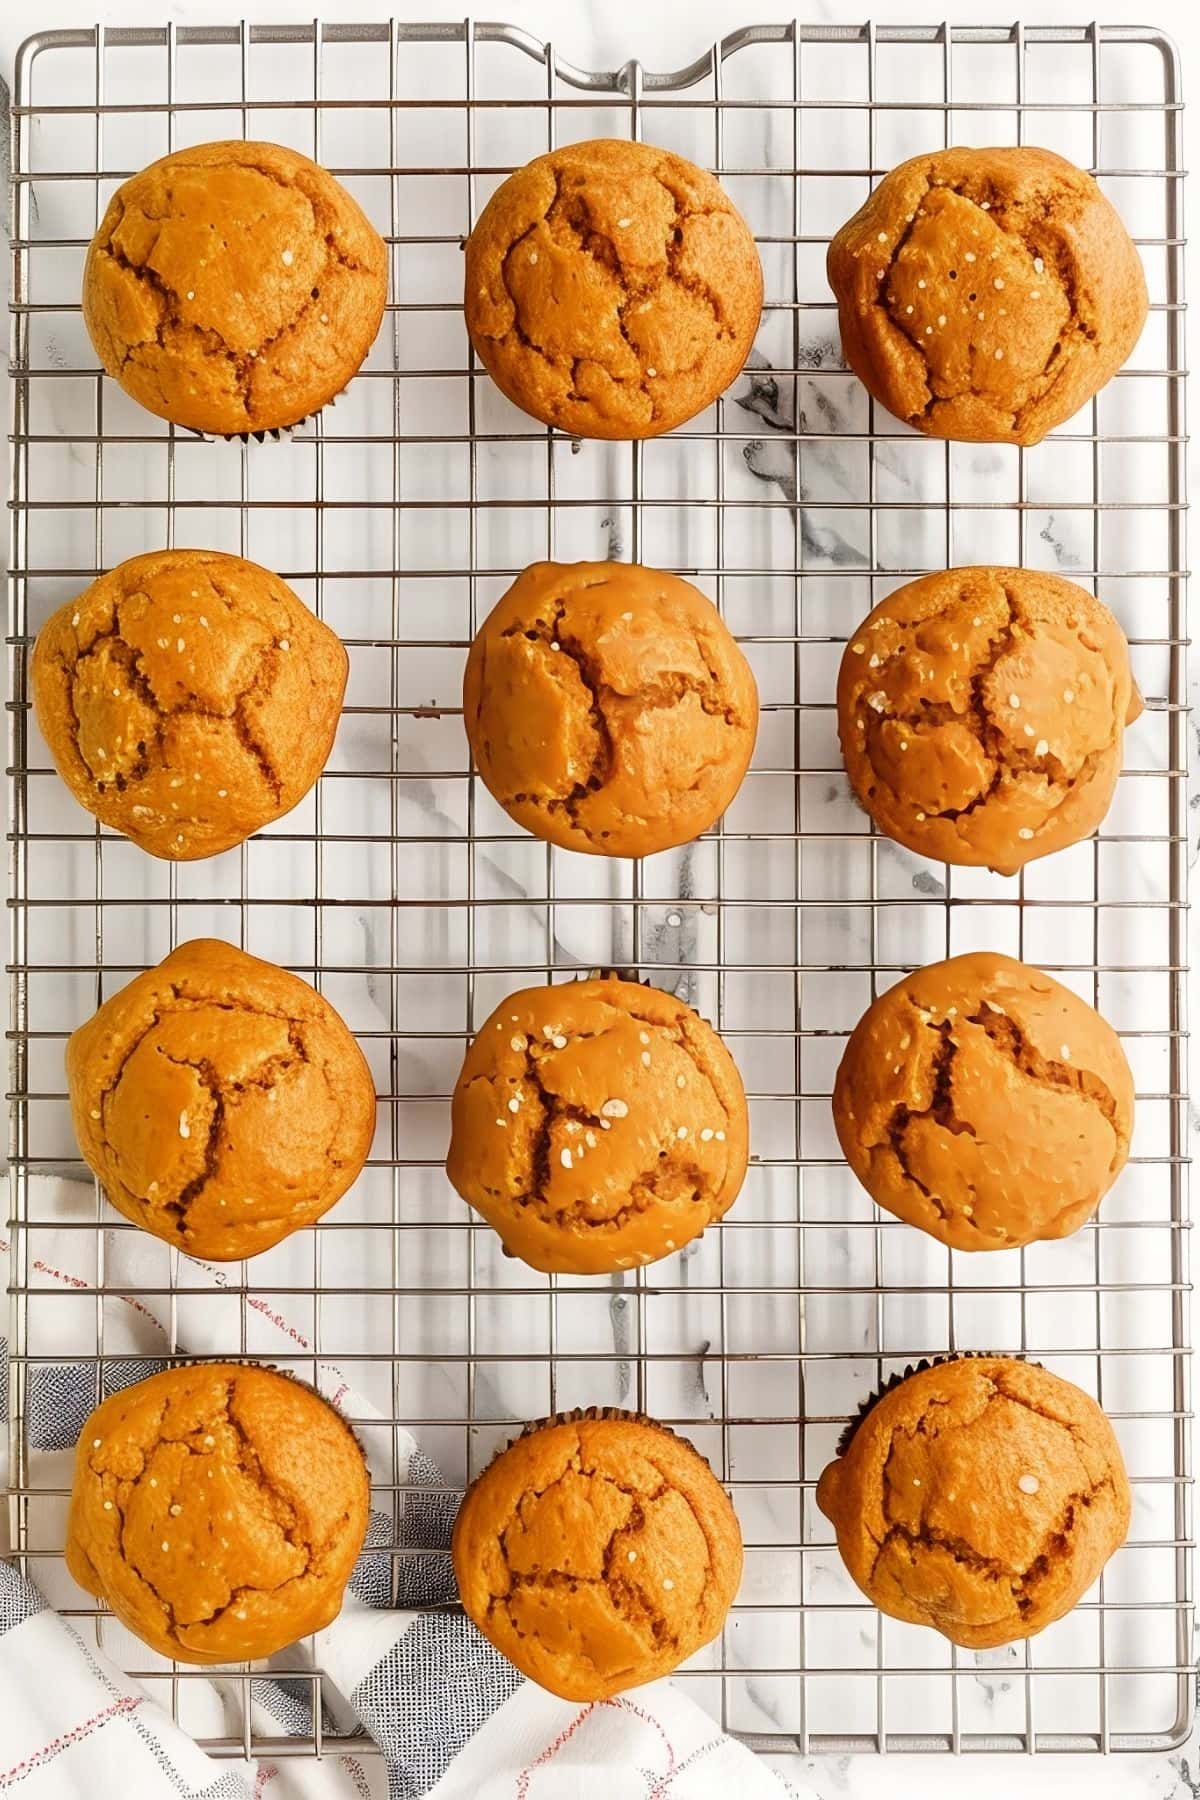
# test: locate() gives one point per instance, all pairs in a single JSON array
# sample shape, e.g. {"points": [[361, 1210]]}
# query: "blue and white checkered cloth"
{"points": [[440, 1713]]}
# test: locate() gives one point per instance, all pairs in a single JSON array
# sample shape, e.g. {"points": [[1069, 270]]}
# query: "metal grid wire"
{"points": [[401, 514]]}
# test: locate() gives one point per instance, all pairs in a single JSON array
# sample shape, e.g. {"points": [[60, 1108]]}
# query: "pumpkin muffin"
{"points": [[608, 708], [234, 288], [982, 1496], [220, 1101], [612, 289], [218, 1509], [188, 698], [982, 714], [597, 1125], [985, 1103], [986, 295], [597, 1552]]}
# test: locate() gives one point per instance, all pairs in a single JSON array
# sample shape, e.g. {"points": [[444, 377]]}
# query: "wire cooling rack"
{"points": [[401, 514]]}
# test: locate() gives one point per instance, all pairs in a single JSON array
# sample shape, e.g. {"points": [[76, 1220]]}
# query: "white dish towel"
{"points": [[452, 1719]]}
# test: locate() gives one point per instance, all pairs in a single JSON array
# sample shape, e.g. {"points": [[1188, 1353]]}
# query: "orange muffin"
{"points": [[982, 713], [612, 289], [597, 1125], [234, 287], [188, 699], [218, 1509], [982, 1496], [220, 1101], [608, 708], [986, 294], [984, 1102], [597, 1552]]}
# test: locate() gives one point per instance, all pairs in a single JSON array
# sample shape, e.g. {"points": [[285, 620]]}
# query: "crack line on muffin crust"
{"points": [[72, 662], [324, 222], [589, 240], [628, 1600], [1007, 757], [1056, 1536], [1039, 386], [249, 1464], [266, 1077], [641, 1188], [667, 691]]}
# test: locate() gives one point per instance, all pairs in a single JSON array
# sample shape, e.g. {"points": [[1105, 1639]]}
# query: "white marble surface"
{"points": [[594, 35]]}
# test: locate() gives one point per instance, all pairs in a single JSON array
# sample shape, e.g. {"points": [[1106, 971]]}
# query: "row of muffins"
{"points": [[219, 1509], [189, 698], [597, 1125], [643, 310], [613, 290]]}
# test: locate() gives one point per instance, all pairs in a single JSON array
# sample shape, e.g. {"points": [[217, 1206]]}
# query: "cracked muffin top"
{"points": [[985, 1103], [608, 708], [982, 712], [220, 1101], [234, 287], [986, 295], [218, 1509], [597, 1125], [982, 1496], [188, 698], [612, 289], [597, 1552]]}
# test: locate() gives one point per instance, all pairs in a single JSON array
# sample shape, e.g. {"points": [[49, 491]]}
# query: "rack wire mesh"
{"points": [[401, 513]]}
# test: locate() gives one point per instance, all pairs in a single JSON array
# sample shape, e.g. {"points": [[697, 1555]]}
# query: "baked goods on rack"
{"points": [[986, 294], [980, 1495], [597, 1552], [218, 1509], [188, 698], [220, 1101], [612, 289], [608, 708], [597, 1125], [984, 1102], [982, 714], [234, 287]]}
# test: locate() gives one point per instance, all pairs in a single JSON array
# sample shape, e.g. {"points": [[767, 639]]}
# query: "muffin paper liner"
{"points": [[277, 433], [868, 1405]]}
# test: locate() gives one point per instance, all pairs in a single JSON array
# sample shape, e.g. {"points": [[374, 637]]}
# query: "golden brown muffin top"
{"points": [[597, 1552], [608, 707], [982, 712], [986, 294], [218, 1509], [221, 1102], [188, 698], [984, 1102], [597, 1125], [234, 287], [981, 1496], [612, 289]]}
